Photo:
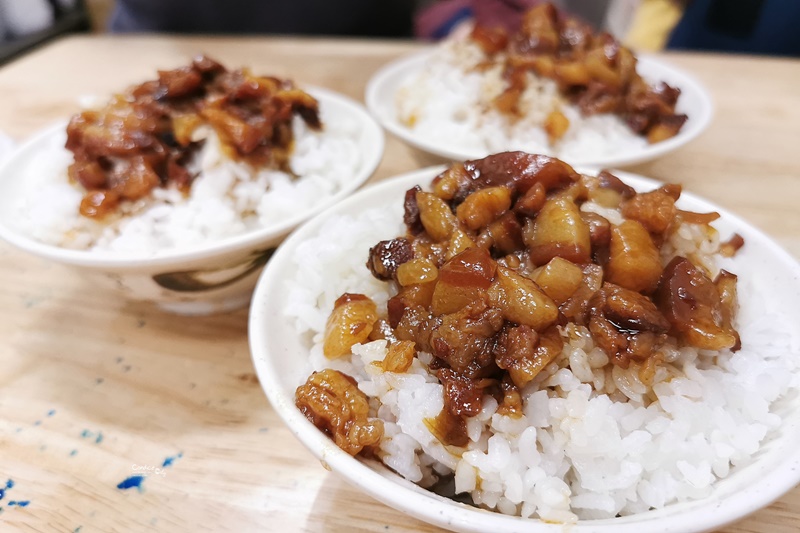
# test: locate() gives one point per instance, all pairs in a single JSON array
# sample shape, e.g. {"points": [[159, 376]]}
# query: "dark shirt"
{"points": [[748, 26], [387, 18]]}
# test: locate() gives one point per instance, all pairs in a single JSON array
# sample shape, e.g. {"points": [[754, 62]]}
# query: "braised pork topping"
{"points": [[592, 70], [148, 136], [489, 283], [332, 402]]}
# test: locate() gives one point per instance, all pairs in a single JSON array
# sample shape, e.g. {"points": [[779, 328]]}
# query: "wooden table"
{"points": [[92, 388]]}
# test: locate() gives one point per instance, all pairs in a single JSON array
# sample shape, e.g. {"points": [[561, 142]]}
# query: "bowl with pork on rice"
{"points": [[178, 190], [517, 346], [553, 86]]}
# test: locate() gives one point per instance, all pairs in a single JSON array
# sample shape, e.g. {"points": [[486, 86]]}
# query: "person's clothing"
{"points": [[388, 18], [746, 26]]}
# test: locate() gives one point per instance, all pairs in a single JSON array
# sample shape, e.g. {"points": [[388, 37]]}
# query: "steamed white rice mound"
{"points": [[593, 443], [227, 198], [448, 104]]}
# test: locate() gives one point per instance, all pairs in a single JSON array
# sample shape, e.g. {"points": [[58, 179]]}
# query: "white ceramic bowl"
{"points": [[280, 356], [694, 101], [217, 276]]}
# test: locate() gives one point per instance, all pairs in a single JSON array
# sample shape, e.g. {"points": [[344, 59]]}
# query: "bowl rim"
{"points": [[376, 90], [244, 241], [693, 516]]}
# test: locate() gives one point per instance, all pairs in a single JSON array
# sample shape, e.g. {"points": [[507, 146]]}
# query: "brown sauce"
{"points": [[146, 137], [492, 318], [592, 70]]}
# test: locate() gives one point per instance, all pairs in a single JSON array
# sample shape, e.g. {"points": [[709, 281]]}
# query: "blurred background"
{"points": [[747, 26]]}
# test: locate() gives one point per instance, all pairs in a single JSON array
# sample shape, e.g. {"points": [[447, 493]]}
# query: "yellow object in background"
{"points": [[652, 24]]}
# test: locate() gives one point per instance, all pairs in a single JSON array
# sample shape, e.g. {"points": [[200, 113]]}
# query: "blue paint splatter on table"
{"points": [[21, 503], [12, 503], [170, 460], [136, 481], [98, 437], [131, 482], [51, 412], [73, 453]]}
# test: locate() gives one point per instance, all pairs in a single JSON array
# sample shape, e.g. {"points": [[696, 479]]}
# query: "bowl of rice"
{"points": [[178, 190], [594, 105], [587, 445]]}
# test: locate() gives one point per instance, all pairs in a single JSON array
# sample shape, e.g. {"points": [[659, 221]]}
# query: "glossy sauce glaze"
{"points": [[592, 70], [147, 137], [498, 262]]}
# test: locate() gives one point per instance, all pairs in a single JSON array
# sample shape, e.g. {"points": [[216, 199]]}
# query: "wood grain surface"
{"points": [[93, 388]]}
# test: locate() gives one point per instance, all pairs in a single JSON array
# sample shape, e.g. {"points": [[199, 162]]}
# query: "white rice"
{"points": [[449, 105], [593, 442], [227, 198]]}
